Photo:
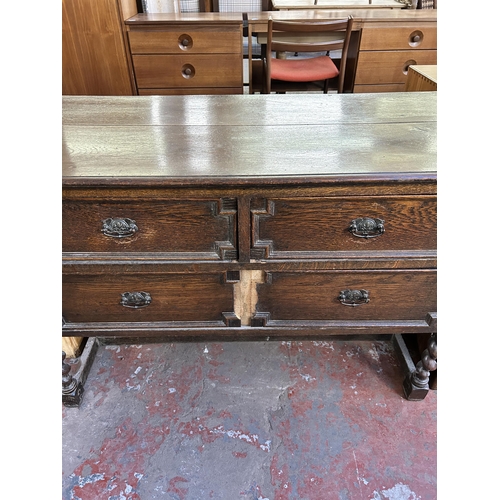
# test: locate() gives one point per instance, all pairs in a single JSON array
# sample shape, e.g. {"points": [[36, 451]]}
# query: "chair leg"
{"points": [[325, 88]]}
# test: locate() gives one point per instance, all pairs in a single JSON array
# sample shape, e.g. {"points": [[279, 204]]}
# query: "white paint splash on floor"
{"points": [[398, 492]]}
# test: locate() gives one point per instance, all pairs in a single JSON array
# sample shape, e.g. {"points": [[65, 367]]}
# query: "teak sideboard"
{"points": [[249, 217]]}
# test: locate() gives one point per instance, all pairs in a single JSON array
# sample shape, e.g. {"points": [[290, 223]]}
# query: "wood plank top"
{"points": [[338, 4], [360, 16], [241, 138], [184, 17]]}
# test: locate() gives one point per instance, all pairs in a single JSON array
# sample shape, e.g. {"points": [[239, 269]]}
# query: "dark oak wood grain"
{"points": [[233, 217]]}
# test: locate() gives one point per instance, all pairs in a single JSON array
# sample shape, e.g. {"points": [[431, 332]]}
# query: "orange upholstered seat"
{"points": [[303, 70]]}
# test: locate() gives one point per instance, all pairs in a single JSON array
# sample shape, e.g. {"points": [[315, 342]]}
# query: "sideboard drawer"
{"points": [[195, 229], [408, 38], [315, 296], [390, 66], [185, 42], [312, 227], [165, 297], [186, 70]]}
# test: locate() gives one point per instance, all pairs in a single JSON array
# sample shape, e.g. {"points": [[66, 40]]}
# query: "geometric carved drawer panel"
{"points": [[179, 229], [152, 297], [299, 298], [302, 228]]}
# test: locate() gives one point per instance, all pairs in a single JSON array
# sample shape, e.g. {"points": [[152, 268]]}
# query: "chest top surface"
{"points": [[248, 138]]}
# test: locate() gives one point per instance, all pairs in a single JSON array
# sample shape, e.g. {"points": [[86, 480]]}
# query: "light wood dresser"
{"points": [[187, 53], [388, 48], [249, 217]]}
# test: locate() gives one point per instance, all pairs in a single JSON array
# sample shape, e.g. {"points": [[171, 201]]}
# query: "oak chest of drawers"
{"points": [[187, 54], [249, 217]]}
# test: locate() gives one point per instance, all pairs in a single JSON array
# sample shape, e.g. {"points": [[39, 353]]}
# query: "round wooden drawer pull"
{"points": [[185, 42], [188, 71], [415, 38]]}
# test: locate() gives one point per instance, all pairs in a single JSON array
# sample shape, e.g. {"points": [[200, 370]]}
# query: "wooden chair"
{"points": [[308, 68]]}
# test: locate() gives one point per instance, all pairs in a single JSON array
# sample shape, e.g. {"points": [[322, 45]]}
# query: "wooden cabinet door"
{"points": [[94, 57]]}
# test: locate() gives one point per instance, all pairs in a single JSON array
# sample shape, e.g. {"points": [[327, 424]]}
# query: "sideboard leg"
{"points": [[416, 383], [72, 390], [72, 385]]}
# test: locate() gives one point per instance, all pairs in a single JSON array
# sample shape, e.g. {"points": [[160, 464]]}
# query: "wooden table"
{"points": [[336, 4], [384, 42], [249, 217]]}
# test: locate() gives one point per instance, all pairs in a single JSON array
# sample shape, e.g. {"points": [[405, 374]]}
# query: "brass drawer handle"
{"points": [[366, 227], [119, 228], [354, 298], [135, 299]]}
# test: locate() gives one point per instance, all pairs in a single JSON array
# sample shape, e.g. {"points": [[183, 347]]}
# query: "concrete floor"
{"points": [[249, 420]]}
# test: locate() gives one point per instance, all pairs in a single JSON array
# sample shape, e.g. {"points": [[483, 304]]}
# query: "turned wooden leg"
{"points": [[72, 389], [416, 383]]}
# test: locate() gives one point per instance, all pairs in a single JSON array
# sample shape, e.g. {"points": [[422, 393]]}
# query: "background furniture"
{"points": [[386, 51], [421, 78], [95, 56], [224, 217], [300, 53], [384, 43], [187, 53], [336, 4]]}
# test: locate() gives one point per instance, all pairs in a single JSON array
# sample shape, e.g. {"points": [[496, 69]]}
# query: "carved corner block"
{"points": [[260, 319], [231, 320]]}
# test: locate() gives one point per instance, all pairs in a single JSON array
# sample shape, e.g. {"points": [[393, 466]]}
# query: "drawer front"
{"points": [[301, 228], [114, 297], [185, 70], [390, 67], [382, 295], [186, 42], [193, 91], [180, 229], [371, 89], [409, 38]]}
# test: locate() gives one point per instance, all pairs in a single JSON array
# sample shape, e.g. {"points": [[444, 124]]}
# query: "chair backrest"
{"points": [[310, 36]]}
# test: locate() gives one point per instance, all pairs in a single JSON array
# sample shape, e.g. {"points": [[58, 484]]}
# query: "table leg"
{"points": [[72, 389], [416, 383], [72, 385]]}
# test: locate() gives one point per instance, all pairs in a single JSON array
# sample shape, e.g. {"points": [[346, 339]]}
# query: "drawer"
{"points": [[301, 228], [399, 38], [185, 70], [114, 297], [194, 91], [181, 229], [186, 42], [390, 67], [370, 89], [299, 297]]}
